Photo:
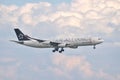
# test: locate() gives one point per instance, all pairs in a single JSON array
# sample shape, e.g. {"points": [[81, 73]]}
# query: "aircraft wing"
{"points": [[39, 40], [52, 43], [35, 39], [20, 42], [47, 42], [58, 44]]}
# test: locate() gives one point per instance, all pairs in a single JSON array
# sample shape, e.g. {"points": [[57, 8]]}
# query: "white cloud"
{"points": [[81, 5], [70, 63], [30, 7], [27, 19], [113, 3], [7, 9], [64, 14], [7, 14], [10, 70], [68, 21], [93, 15], [27, 8], [27, 13], [66, 64], [88, 16]]}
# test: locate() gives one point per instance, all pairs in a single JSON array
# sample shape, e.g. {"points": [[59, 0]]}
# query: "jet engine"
{"points": [[74, 47], [62, 45]]}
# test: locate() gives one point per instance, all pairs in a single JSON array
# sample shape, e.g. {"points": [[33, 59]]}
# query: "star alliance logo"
{"points": [[20, 36]]}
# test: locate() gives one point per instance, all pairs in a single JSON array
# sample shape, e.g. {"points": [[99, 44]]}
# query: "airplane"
{"points": [[58, 44]]}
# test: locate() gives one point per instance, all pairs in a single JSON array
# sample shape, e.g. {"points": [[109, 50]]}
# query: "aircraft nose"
{"points": [[101, 41]]}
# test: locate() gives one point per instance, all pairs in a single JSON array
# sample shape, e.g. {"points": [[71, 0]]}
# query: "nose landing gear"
{"points": [[94, 47]]}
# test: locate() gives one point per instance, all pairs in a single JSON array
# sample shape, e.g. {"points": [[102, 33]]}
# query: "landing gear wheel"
{"points": [[56, 49], [60, 51], [53, 50], [94, 47]]}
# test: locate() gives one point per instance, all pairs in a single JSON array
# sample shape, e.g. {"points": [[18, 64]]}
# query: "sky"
{"points": [[49, 19]]}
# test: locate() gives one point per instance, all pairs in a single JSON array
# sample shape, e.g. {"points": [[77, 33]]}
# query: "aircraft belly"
{"points": [[85, 44], [82, 43], [35, 44], [44, 46]]}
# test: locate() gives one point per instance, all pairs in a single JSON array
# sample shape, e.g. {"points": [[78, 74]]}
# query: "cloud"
{"points": [[29, 8], [85, 16], [81, 5], [59, 72], [31, 13], [93, 15], [114, 4], [9, 68], [71, 21], [71, 63], [8, 14], [64, 65], [78, 18], [27, 14]]}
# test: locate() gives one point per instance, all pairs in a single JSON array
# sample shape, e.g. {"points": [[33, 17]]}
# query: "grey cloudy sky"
{"points": [[60, 19]]}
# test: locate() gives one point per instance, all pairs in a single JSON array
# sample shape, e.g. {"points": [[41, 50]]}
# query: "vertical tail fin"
{"points": [[20, 35]]}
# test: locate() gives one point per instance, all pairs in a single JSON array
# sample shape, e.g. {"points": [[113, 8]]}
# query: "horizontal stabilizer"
{"points": [[20, 42]]}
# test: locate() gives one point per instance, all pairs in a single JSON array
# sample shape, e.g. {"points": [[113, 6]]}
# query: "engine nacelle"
{"points": [[74, 47], [62, 45]]}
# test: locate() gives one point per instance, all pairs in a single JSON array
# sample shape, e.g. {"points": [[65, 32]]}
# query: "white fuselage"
{"points": [[56, 44], [69, 43]]}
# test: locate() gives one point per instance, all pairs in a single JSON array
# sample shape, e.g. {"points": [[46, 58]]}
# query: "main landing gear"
{"points": [[57, 49]]}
